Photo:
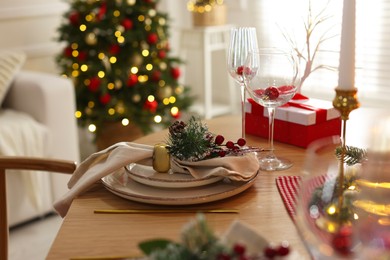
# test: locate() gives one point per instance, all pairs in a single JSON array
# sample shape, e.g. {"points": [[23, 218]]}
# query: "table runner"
{"points": [[288, 189]]}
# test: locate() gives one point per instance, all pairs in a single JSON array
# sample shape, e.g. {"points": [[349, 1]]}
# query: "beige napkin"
{"points": [[237, 168], [111, 159], [101, 164]]}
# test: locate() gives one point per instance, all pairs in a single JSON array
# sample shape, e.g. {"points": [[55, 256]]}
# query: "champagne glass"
{"points": [[271, 79], [242, 40]]}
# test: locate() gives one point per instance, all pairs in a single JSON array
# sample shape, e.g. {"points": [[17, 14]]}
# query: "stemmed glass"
{"points": [[242, 40], [271, 79]]}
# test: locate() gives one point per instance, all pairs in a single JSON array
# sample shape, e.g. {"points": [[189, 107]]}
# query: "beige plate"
{"points": [[122, 185], [146, 175]]}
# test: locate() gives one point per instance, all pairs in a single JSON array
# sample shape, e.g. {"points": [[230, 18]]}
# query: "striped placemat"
{"points": [[288, 189]]}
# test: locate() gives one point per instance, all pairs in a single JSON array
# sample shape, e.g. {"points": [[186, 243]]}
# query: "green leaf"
{"points": [[149, 246]]}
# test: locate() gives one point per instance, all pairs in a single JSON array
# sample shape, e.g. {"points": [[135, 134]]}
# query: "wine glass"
{"points": [[242, 40], [271, 79]]}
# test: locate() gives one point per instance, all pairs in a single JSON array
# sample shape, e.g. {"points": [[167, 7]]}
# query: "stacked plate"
{"points": [[141, 183]]}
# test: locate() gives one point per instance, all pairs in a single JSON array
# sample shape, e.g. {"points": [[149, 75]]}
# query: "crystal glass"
{"points": [[372, 202], [270, 77], [323, 225], [242, 40], [345, 216]]}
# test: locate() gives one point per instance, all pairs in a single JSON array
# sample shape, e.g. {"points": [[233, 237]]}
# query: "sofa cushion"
{"points": [[10, 64]]}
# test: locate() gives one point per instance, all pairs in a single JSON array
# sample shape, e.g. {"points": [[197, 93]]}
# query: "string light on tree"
{"points": [[117, 54]]}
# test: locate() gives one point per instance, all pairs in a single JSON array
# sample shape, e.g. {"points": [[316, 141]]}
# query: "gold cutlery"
{"points": [[142, 211], [107, 258]]}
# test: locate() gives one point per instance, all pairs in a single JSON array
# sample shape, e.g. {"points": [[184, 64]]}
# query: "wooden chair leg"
{"points": [[3, 217]]}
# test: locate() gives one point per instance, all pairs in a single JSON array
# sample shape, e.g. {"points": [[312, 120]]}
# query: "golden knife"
{"points": [[142, 211]]}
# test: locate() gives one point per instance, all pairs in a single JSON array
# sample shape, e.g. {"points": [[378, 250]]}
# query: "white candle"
{"points": [[347, 47]]}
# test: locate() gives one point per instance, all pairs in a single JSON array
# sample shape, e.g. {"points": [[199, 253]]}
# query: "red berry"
{"points": [[230, 144], [239, 249], [283, 249], [269, 252], [223, 256], [222, 153], [272, 93], [241, 142], [219, 139], [240, 70]]}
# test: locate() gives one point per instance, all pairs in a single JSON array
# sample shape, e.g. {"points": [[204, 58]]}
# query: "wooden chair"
{"points": [[23, 163]]}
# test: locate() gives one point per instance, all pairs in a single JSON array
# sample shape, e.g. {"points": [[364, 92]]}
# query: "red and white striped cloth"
{"points": [[288, 188]]}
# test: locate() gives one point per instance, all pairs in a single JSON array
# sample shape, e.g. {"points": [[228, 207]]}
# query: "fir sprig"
{"points": [[194, 142], [190, 141], [353, 155]]}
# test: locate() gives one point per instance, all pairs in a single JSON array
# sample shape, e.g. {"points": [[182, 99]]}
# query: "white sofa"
{"points": [[50, 101]]}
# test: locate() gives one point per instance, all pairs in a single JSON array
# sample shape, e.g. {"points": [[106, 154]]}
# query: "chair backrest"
{"points": [[23, 163]]}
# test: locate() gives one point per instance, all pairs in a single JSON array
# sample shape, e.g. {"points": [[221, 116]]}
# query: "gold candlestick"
{"points": [[345, 101]]}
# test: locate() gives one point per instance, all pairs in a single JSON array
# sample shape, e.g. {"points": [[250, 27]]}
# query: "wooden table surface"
{"points": [[85, 234]]}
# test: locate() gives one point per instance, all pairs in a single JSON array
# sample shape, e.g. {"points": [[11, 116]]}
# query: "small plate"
{"points": [[146, 175]]}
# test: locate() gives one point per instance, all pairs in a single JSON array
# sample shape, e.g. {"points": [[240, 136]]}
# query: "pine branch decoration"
{"points": [[352, 154], [190, 142]]}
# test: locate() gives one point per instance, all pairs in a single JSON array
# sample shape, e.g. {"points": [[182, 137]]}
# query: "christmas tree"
{"points": [[117, 54]]}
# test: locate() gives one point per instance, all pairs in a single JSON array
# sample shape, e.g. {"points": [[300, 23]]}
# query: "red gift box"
{"points": [[299, 122]]}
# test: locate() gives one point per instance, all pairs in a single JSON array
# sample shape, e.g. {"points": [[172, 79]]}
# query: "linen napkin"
{"points": [[98, 165], [111, 159], [237, 168]]}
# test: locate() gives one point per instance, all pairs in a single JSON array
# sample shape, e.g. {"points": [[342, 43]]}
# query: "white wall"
{"points": [[30, 25]]}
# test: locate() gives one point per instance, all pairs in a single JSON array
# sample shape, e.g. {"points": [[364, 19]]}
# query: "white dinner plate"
{"points": [[147, 175], [122, 185]]}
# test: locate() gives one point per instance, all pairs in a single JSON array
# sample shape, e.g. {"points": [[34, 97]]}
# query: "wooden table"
{"points": [[85, 234]]}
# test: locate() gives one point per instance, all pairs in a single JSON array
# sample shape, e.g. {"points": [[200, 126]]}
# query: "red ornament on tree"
{"points": [[152, 38], [68, 51], [114, 49], [176, 115], [102, 11], [156, 75], [151, 106], [74, 18], [127, 24], [132, 80], [175, 73], [94, 84], [82, 56], [104, 99], [162, 54]]}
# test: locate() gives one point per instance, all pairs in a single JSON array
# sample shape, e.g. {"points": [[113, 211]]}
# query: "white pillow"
{"points": [[10, 64]]}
